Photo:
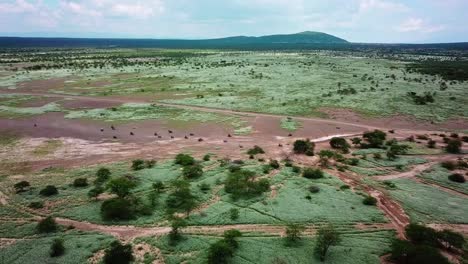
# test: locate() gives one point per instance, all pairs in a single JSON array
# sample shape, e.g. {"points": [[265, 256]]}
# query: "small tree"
{"points": [[57, 248], [304, 147], [118, 254], [326, 237], [158, 186], [230, 237], [457, 177], [80, 182], [103, 174], [47, 225], [369, 200], [49, 190], [454, 146], [356, 141], [293, 233], [311, 173], [255, 150], [450, 239], [121, 186], [234, 213], [340, 143], [175, 234], [21, 186], [274, 164], [138, 164], [375, 139], [192, 171], [220, 253], [184, 160], [117, 209]]}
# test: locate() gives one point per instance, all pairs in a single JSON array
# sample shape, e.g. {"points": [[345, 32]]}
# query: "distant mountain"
{"points": [[306, 37]]}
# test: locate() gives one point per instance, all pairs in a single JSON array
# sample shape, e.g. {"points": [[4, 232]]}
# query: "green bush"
{"points": [[95, 192], [234, 213], [375, 139], [118, 209], [255, 150], [47, 225], [118, 254], [457, 177], [311, 173], [121, 186], [206, 157], [369, 200], [36, 205], [57, 248], [304, 147], [274, 164], [21, 186], [49, 190], [184, 160], [102, 175], [405, 252], [314, 189], [138, 164], [80, 182], [454, 146], [242, 183], [192, 171], [340, 143]]}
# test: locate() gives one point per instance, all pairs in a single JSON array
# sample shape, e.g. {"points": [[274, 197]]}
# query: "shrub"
{"points": [[117, 209], [419, 234], [340, 143], [453, 146], [326, 237], [206, 157], [345, 187], [234, 213], [449, 165], [457, 177], [204, 187], [311, 173], [375, 139], [192, 171], [36, 205], [242, 183], [449, 239], [181, 198], [405, 252], [369, 200], [431, 144], [184, 160], [304, 147], [293, 233], [57, 248], [158, 186], [121, 186], [21, 186], [80, 182], [174, 234], [49, 190], [118, 254], [150, 163], [296, 169], [47, 225], [314, 189], [220, 252], [103, 174], [138, 164], [95, 192], [255, 150], [353, 161], [274, 164]]}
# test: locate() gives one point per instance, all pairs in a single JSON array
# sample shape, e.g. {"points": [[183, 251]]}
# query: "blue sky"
{"points": [[389, 21]]}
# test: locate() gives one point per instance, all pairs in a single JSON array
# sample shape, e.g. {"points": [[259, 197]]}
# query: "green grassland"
{"points": [[439, 176], [80, 246], [282, 83], [427, 204], [356, 247]]}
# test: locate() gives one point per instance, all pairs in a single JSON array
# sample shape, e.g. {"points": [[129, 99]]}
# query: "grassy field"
{"points": [[356, 247], [280, 83], [439, 176], [427, 204]]}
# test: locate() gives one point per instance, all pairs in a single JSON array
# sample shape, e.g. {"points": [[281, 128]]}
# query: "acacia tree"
{"points": [[326, 237], [293, 233]]}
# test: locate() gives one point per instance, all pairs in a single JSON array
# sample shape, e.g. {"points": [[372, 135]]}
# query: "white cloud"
{"points": [[368, 5], [418, 25], [19, 6]]}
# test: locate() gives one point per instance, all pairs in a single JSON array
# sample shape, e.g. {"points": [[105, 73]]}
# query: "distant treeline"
{"points": [[18, 42], [448, 70]]}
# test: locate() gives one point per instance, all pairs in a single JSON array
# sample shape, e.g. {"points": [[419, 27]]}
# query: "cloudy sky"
{"points": [[380, 21]]}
